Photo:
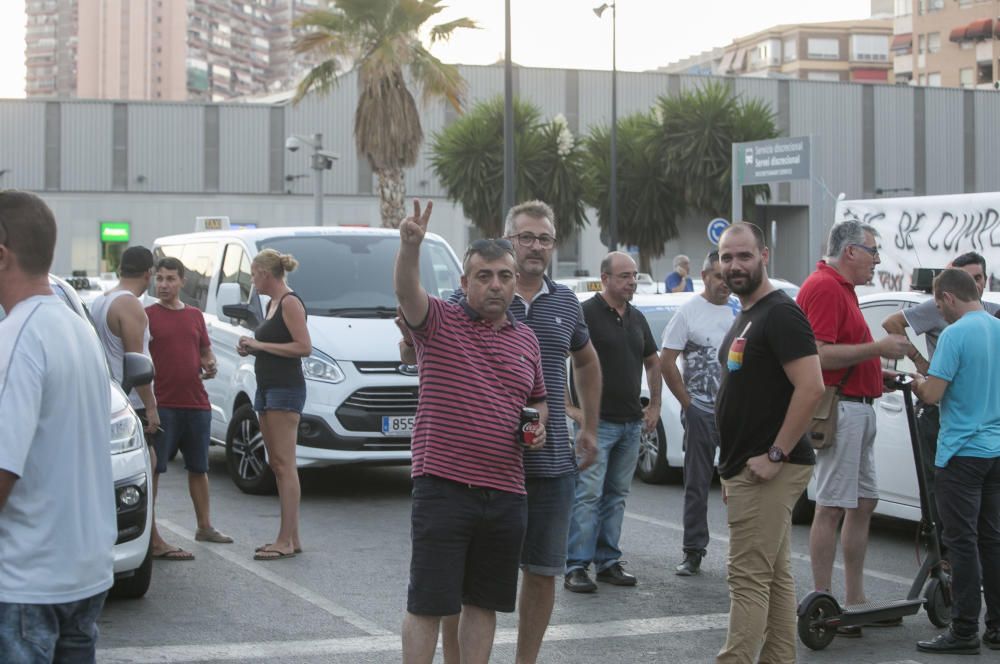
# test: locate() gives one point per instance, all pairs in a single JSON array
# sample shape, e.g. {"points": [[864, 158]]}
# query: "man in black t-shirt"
{"points": [[624, 344], [771, 383]]}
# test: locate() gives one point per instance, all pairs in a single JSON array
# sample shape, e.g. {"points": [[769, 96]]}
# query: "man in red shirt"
{"points": [[182, 355], [846, 485]]}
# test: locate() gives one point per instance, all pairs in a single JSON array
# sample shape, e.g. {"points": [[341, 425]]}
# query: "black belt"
{"points": [[867, 400]]}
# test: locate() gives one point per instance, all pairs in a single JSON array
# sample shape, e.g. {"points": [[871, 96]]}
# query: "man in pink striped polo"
{"points": [[478, 368]]}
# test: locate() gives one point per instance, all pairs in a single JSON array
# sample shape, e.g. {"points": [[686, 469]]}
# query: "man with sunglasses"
{"points": [[553, 313], [846, 486], [479, 367]]}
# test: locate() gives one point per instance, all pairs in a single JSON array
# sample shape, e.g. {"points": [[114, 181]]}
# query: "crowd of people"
{"points": [[506, 498]]}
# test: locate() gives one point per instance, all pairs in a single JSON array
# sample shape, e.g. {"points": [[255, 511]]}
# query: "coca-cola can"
{"points": [[530, 417]]}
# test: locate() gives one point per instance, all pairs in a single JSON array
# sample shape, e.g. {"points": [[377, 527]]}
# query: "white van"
{"points": [[360, 400]]}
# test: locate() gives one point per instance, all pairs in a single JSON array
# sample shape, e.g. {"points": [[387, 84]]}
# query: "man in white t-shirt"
{"points": [[57, 502], [696, 331]]}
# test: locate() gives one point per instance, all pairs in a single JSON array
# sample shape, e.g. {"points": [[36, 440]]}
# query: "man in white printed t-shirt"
{"points": [[57, 502], [696, 332]]}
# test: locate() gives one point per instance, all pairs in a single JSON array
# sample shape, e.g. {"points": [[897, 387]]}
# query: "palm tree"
{"points": [[379, 38], [697, 132], [650, 202], [467, 158]]}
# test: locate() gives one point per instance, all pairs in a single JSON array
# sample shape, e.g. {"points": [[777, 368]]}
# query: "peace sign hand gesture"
{"points": [[413, 228]]}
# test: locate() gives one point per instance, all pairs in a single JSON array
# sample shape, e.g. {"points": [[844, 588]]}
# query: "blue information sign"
{"points": [[715, 229]]}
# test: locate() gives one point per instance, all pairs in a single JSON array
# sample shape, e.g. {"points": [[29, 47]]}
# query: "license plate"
{"points": [[397, 425]]}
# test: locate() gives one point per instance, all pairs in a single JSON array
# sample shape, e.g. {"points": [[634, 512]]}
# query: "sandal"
{"points": [[271, 554], [210, 534], [264, 547], [175, 553]]}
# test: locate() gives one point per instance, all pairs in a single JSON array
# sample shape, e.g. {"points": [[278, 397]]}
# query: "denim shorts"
{"points": [[280, 398], [466, 545], [32, 633], [550, 504], [188, 430]]}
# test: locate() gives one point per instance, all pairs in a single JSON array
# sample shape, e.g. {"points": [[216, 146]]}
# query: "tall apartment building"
{"points": [[949, 43], [205, 50]]}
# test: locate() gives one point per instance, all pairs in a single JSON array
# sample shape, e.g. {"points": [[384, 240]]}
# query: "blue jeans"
{"points": [[599, 507], [43, 633]]}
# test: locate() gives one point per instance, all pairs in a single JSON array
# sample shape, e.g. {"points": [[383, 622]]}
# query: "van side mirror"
{"points": [[242, 312], [226, 295], [137, 370]]}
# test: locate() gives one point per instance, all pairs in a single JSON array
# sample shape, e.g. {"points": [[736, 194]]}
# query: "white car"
{"points": [[361, 400], [894, 465], [131, 471], [645, 284]]}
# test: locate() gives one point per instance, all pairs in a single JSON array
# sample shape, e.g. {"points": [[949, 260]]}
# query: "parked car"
{"points": [[894, 466], [361, 401], [646, 284], [131, 470]]}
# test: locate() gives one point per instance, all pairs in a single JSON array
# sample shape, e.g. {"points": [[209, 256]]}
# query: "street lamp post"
{"points": [[321, 161], [613, 225], [508, 118]]}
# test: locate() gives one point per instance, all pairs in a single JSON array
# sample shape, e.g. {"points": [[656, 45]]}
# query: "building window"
{"points": [[935, 5], [870, 48], [791, 48], [922, 80], [933, 42], [967, 78], [934, 80], [823, 76], [904, 7], [823, 49], [921, 44]]}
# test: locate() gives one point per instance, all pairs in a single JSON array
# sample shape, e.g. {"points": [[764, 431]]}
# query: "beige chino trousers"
{"points": [[761, 589]]}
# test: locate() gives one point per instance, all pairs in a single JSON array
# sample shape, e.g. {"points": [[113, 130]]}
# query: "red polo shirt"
{"points": [[831, 305]]}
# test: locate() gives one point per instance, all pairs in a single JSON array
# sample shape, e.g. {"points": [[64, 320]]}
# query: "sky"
{"points": [[558, 33]]}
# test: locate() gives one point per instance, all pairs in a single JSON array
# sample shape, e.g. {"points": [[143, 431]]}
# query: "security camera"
{"points": [[292, 144], [333, 156]]}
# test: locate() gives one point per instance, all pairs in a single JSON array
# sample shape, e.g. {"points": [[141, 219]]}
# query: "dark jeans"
{"points": [[968, 498], [43, 633], [701, 439]]}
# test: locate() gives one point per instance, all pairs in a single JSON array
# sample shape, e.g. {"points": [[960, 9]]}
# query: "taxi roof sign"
{"points": [[217, 223]]}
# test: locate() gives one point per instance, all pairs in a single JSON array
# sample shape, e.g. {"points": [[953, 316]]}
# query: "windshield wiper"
{"points": [[356, 312]]}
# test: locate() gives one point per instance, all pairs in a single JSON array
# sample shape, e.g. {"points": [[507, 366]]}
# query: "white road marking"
{"points": [[804, 557], [369, 644], [257, 569]]}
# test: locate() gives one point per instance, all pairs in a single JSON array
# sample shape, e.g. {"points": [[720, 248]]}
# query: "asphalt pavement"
{"points": [[343, 598]]}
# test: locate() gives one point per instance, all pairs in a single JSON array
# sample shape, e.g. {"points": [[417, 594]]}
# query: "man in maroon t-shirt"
{"points": [[846, 485], [182, 355]]}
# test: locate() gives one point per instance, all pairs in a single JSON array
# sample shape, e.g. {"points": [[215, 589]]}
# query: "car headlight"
{"points": [[126, 433], [319, 366]]}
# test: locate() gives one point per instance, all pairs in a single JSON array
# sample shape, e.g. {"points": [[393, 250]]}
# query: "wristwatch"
{"points": [[776, 454]]}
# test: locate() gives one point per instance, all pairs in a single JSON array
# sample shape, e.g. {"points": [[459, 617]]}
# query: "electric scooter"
{"points": [[819, 614]]}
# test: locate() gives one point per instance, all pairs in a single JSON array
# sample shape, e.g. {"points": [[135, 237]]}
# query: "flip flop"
{"points": [[272, 554], [175, 553], [263, 547]]}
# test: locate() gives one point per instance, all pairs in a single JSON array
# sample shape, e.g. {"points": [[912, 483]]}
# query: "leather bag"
{"points": [[822, 429]]}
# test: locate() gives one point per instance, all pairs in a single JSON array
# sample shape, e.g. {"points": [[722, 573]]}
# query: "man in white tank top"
{"points": [[123, 327]]}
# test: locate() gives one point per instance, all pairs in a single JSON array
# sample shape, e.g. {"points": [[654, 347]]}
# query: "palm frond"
{"points": [[437, 79], [443, 31]]}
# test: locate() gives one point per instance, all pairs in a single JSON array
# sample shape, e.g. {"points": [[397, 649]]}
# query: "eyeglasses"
{"points": [[483, 246], [528, 239], [872, 251]]}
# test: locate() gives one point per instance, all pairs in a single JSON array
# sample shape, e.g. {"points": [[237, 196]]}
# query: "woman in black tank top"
{"points": [[279, 344]]}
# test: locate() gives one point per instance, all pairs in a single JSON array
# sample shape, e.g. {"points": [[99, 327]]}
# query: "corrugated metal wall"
{"points": [[166, 142], [831, 112], [894, 138], [987, 142], [945, 149], [243, 148], [166, 147], [22, 144], [86, 153]]}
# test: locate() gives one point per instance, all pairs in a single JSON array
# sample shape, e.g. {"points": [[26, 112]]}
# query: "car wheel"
{"points": [[245, 457], [652, 467], [135, 586], [803, 510]]}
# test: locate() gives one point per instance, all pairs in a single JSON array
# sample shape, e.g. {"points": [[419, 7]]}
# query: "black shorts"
{"points": [[466, 547]]}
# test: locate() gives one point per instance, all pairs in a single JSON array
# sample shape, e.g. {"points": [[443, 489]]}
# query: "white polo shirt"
{"points": [[58, 527]]}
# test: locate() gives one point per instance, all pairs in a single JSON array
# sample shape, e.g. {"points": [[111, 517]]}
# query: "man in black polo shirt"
{"points": [[624, 345]]}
